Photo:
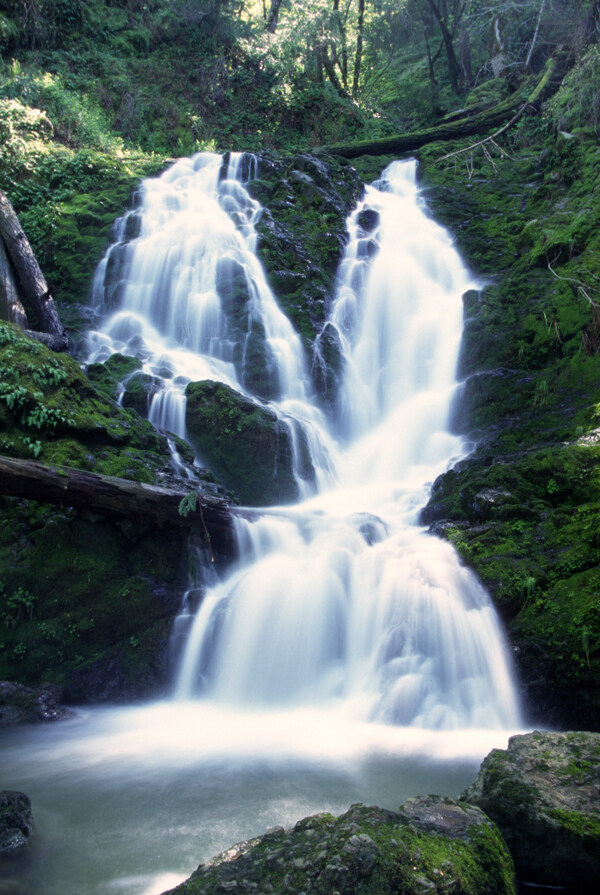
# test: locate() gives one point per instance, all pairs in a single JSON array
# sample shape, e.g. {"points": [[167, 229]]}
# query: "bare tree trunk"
{"points": [[453, 66], [273, 16], [330, 70], [535, 34], [359, 47], [466, 74], [11, 308], [33, 289]]}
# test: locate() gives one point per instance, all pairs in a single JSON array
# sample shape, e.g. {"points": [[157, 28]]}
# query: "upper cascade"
{"points": [[183, 290]]}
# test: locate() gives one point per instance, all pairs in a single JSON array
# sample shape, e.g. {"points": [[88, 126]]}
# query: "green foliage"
{"points": [[188, 503]]}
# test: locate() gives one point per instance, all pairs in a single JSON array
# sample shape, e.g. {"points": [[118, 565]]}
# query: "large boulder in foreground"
{"points": [[544, 794], [243, 443], [16, 823], [431, 844]]}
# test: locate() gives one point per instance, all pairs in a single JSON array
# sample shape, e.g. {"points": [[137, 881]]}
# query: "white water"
{"points": [[344, 601], [348, 657], [177, 291]]}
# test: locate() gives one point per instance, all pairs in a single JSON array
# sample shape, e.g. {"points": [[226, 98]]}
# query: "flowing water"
{"points": [[348, 656]]}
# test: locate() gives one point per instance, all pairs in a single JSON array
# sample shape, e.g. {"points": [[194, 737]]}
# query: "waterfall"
{"points": [[182, 290], [341, 602]]}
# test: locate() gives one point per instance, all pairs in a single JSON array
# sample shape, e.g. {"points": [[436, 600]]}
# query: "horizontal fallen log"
{"points": [[118, 498], [452, 129]]}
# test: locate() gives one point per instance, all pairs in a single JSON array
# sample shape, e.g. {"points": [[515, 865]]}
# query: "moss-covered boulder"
{"points": [[543, 794], [431, 844], [87, 603], [50, 410], [244, 443]]}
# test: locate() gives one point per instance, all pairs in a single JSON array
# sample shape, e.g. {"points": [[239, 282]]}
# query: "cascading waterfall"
{"points": [[321, 670], [182, 290], [344, 601]]}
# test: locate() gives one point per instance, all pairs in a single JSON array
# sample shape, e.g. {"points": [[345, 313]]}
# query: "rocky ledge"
{"points": [[432, 844], [543, 792]]}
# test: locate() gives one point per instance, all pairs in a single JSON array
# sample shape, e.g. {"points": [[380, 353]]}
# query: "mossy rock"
{"points": [[50, 410], [86, 603], [542, 793], [244, 443], [522, 508], [431, 844], [302, 234]]}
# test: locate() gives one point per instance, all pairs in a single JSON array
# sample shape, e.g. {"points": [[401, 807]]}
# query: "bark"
{"points": [[11, 308], [359, 47], [273, 19], [454, 130], [440, 14], [466, 73], [33, 289], [327, 64], [117, 498], [535, 35]]}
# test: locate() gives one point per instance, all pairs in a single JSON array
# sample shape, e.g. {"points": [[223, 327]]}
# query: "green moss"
{"points": [[367, 851], [92, 603], [50, 410], [244, 443], [581, 825]]}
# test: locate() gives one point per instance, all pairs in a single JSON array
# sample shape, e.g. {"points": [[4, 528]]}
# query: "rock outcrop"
{"points": [[24, 705], [16, 823], [431, 844], [544, 794], [244, 443]]}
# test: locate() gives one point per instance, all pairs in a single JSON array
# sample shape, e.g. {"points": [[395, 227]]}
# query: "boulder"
{"points": [[543, 792], [24, 705], [16, 822], [431, 844], [244, 443]]}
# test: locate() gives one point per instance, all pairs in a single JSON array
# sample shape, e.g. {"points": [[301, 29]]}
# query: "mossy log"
{"points": [[466, 126], [33, 289], [117, 498]]}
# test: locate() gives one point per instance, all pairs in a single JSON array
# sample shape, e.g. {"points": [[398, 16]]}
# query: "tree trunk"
{"points": [[11, 308], [466, 73], [117, 498], [453, 66], [463, 127], [273, 16], [359, 47], [535, 35], [33, 289]]}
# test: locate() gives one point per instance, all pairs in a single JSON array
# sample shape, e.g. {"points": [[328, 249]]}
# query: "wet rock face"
{"points": [[24, 705], [244, 443], [302, 235], [16, 823], [544, 794], [431, 844]]}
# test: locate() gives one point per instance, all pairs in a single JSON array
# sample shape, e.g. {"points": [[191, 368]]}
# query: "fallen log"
{"points": [[33, 289], [118, 498], [452, 129]]}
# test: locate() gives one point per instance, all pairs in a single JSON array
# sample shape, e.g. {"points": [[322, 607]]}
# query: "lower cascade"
{"points": [[342, 601]]}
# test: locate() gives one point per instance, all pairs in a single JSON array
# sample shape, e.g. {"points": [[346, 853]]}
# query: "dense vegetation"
{"points": [[96, 94]]}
